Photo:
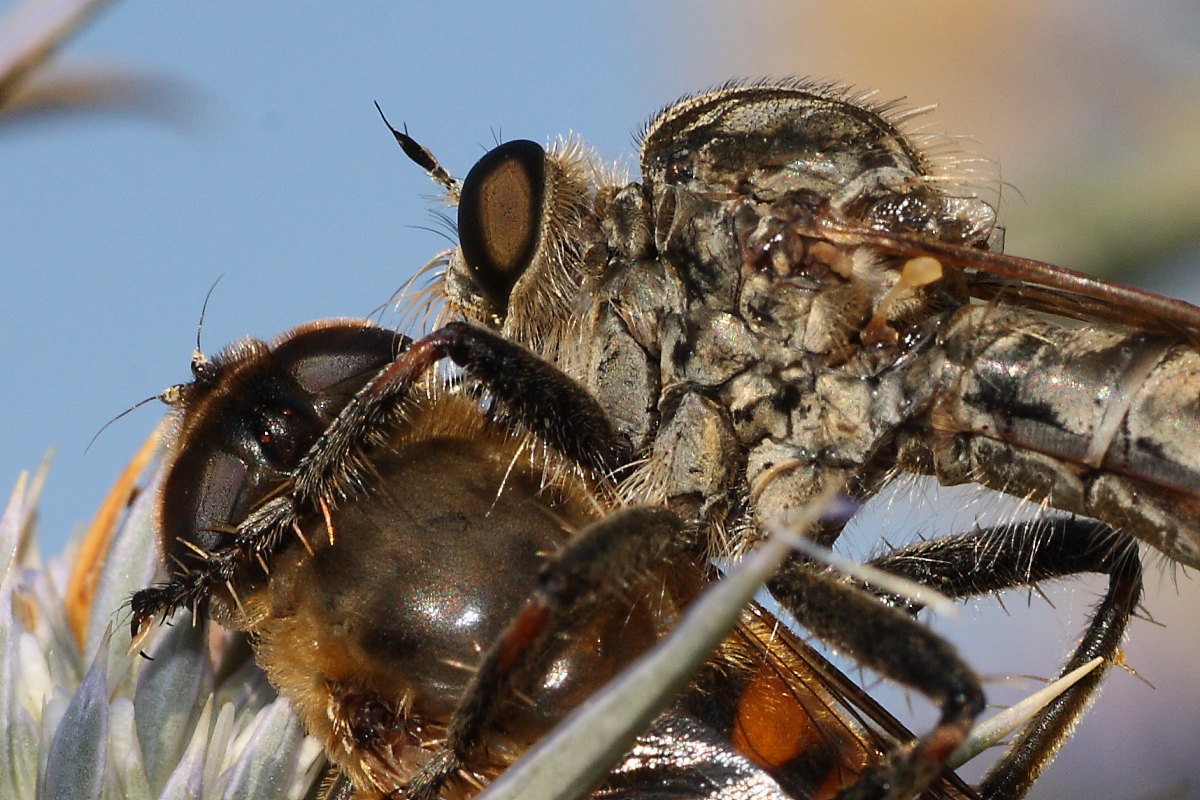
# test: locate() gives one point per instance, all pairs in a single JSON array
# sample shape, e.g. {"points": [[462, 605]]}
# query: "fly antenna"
{"points": [[201, 366], [424, 159], [132, 408]]}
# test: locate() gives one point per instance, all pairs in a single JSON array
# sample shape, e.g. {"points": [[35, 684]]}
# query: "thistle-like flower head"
{"points": [[190, 716]]}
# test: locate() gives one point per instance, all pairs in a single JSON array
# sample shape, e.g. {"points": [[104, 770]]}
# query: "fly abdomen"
{"points": [[1091, 419]]}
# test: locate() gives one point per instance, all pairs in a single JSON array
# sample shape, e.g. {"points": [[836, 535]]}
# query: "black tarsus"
{"points": [[1024, 554]]}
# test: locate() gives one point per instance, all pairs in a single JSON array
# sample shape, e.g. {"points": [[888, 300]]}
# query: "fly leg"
{"points": [[1024, 554], [535, 393], [896, 645], [335, 785]]}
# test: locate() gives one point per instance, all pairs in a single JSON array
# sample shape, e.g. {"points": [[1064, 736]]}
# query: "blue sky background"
{"points": [[278, 177]]}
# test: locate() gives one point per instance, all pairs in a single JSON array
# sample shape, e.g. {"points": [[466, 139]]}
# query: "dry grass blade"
{"points": [[29, 34], [33, 83]]}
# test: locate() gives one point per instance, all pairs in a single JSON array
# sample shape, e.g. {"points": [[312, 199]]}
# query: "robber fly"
{"points": [[796, 259], [797, 294], [433, 581]]}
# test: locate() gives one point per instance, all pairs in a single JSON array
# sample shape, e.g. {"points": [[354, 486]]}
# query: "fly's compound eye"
{"points": [[281, 435], [500, 217]]}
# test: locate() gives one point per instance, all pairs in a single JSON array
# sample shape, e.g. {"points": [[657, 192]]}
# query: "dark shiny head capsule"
{"points": [[246, 419]]}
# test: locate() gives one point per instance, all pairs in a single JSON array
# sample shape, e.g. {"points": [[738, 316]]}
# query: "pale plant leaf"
{"points": [[77, 759], [171, 692], [187, 779], [197, 721], [127, 774], [125, 570], [218, 745], [275, 730]]}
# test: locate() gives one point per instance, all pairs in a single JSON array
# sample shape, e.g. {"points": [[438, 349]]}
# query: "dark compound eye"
{"points": [[282, 434], [500, 215]]}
